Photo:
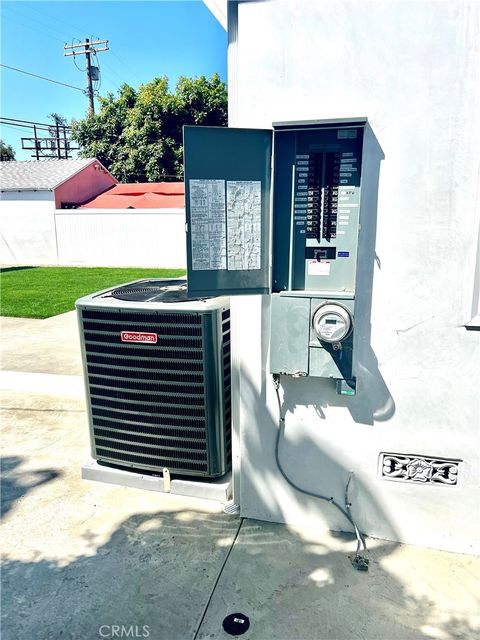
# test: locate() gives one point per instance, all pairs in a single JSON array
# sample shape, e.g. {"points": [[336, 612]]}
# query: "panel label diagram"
{"points": [[244, 208], [225, 221], [208, 225]]}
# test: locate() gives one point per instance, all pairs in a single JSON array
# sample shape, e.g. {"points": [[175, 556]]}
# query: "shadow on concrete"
{"points": [[16, 484], [158, 569]]}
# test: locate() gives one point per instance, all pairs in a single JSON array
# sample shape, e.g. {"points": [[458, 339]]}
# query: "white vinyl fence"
{"points": [[95, 237], [141, 237]]}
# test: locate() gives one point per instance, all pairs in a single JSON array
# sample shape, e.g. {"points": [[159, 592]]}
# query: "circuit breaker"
{"points": [[308, 199]]}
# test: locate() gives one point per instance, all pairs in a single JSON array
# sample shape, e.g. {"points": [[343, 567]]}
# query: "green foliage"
{"points": [[41, 292], [6, 151], [137, 134]]}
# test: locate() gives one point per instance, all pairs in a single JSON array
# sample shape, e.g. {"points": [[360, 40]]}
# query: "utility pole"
{"points": [[89, 76], [86, 49]]}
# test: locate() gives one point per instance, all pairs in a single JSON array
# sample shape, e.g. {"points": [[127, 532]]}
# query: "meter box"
{"points": [[310, 196]]}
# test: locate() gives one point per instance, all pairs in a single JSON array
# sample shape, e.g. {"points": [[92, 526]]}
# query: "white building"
{"points": [[413, 68]]}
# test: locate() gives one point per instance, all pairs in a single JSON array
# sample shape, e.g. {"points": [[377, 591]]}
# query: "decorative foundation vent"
{"points": [[419, 469]]}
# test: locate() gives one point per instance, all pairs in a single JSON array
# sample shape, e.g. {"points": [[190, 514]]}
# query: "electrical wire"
{"points": [[64, 84], [97, 83], [345, 512], [36, 29], [74, 56], [217, 580], [125, 65], [58, 20], [348, 506], [44, 26], [15, 126]]}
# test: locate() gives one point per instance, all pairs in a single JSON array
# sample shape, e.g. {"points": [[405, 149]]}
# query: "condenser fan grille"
{"points": [[153, 291]]}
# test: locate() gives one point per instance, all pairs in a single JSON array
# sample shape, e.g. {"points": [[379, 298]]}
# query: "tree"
{"points": [[137, 135], [6, 151]]}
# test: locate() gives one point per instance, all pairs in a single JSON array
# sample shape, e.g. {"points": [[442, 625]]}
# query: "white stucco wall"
{"points": [[413, 68], [117, 237], [27, 229]]}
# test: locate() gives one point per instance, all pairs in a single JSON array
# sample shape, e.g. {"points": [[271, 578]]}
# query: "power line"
{"points": [[126, 66], [35, 28], [42, 77], [18, 122], [57, 144], [57, 19]]}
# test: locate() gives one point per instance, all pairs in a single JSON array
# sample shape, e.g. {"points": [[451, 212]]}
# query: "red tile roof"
{"points": [[148, 195]]}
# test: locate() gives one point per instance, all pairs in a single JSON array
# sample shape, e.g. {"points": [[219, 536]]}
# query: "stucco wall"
{"points": [[413, 69], [27, 229]]}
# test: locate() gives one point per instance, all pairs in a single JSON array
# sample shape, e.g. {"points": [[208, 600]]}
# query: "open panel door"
{"points": [[227, 197]]}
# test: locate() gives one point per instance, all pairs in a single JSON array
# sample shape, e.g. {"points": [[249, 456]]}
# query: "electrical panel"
{"points": [[310, 193]]}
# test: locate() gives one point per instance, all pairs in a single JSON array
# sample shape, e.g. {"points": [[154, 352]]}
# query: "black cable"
{"points": [[99, 81], [41, 77], [205, 609], [74, 56], [31, 122], [358, 560]]}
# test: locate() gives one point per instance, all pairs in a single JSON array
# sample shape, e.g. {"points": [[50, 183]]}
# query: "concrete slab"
{"points": [[48, 383], [41, 346], [297, 584], [79, 555], [219, 489]]}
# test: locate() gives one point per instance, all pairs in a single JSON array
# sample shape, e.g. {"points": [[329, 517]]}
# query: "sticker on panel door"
{"points": [[316, 268], [207, 222], [244, 230]]}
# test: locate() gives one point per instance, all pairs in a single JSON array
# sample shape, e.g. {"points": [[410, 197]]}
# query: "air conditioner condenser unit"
{"points": [[157, 376]]}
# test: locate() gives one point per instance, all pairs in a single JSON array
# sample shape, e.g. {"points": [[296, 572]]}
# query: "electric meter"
{"points": [[332, 323]]}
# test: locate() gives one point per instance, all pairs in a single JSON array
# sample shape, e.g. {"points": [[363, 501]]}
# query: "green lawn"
{"points": [[42, 292]]}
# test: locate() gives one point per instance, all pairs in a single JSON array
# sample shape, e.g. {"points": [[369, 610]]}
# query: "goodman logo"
{"points": [[135, 336]]}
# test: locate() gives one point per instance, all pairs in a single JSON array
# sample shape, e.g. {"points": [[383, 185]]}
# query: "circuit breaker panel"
{"points": [[311, 195], [316, 201], [316, 222]]}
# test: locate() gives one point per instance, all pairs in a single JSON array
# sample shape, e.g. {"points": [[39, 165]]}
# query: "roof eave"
{"points": [[13, 189]]}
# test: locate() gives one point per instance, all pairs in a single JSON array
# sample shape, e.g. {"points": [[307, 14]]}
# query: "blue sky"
{"points": [[146, 39]]}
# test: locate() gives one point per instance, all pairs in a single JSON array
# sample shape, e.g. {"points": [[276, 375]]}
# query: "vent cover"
{"points": [[163, 404], [419, 469]]}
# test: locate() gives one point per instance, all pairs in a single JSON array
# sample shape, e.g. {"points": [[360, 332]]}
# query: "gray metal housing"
{"points": [[345, 266]]}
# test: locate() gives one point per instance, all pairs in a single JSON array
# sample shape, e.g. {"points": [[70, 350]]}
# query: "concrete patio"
{"points": [[81, 557]]}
